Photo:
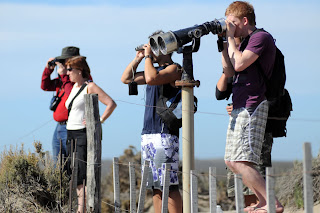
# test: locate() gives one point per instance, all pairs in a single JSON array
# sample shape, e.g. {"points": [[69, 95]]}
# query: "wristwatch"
{"points": [[148, 56]]}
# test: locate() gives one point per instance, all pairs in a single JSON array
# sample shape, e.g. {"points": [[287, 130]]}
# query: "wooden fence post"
{"points": [[166, 184], [84, 196], [60, 176], [62, 168], [194, 191], [239, 193], [116, 185], [75, 174], [271, 198], [70, 158], [93, 127], [143, 186], [47, 159], [74, 178], [213, 189], [132, 175], [307, 178]]}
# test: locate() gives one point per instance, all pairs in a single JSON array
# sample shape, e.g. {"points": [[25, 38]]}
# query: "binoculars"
{"points": [[53, 62], [166, 43]]}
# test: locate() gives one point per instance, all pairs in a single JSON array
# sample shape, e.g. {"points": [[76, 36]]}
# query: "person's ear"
{"points": [[245, 21]]}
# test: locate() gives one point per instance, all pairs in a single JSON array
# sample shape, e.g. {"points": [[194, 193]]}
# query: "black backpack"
{"points": [[169, 107], [280, 105], [279, 112]]}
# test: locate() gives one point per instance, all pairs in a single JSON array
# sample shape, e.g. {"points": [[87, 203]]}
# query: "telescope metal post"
{"points": [[187, 83]]}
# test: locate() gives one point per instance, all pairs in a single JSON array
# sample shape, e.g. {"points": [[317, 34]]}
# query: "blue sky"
{"points": [[108, 31]]}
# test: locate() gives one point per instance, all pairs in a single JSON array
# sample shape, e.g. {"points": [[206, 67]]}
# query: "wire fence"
{"points": [[45, 123], [209, 175], [193, 174]]}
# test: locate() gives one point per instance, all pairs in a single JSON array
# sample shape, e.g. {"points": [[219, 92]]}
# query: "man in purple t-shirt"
{"points": [[250, 108]]}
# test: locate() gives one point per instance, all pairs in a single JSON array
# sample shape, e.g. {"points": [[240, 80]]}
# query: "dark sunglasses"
{"points": [[70, 69]]}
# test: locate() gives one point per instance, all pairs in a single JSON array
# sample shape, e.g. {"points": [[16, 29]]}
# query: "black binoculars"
{"points": [[53, 62]]}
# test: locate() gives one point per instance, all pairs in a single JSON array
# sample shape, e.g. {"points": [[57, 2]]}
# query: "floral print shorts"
{"points": [[159, 149]]}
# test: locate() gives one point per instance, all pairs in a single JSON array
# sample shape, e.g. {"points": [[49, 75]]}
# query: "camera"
{"points": [[171, 41], [133, 88], [53, 62], [139, 48]]}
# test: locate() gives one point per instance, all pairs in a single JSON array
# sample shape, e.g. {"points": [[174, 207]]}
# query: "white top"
{"points": [[77, 112]]}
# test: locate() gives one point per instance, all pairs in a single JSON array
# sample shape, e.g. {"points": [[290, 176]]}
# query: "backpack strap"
{"points": [[257, 61], [167, 89], [262, 73], [62, 89]]}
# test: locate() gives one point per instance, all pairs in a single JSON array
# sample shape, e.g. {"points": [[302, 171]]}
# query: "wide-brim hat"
{"points": [[69, 52]]}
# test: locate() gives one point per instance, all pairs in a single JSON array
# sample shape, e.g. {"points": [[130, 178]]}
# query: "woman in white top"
{"points": [[79, 73]]}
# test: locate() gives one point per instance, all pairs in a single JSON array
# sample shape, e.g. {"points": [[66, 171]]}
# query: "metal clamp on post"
{"points": [[187, 78]]}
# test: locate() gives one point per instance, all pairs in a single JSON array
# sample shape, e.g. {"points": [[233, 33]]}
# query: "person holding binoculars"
{"points": [[62, 85], [247, 123], [159, 144]]}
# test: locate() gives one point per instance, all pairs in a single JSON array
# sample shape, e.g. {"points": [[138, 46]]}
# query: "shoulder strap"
{"points": [[257, 61], [80, 90], [257, 30], [162, 93]]}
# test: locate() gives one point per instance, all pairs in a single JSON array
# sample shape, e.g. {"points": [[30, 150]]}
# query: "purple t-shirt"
{"points": [[248, 85]]}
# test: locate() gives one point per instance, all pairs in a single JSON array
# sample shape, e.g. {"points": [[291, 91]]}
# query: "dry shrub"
{"points": [[289, 185], [27, 185]]}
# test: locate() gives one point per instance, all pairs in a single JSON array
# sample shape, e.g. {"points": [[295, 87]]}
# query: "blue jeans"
{"points": [[60, 133]]}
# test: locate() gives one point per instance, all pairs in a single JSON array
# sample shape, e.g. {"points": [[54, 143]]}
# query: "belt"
{"points": [[63, 123]]}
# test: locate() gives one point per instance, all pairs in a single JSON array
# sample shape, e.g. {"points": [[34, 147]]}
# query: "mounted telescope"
{"points": [[171, 41]]}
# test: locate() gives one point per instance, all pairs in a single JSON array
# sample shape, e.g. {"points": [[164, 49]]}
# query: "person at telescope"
{"points": [[223, 91], [248, 118], [159, 144]]}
